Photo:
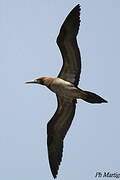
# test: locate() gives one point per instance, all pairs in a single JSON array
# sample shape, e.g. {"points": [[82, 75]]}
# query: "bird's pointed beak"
{"points": [[31, 81]]}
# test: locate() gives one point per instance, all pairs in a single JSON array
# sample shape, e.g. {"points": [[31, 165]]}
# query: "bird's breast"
{"points": [[61, 87]]}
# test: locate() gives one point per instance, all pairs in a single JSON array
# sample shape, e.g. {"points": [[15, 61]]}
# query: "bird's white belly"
{"points": [[62, 88]]}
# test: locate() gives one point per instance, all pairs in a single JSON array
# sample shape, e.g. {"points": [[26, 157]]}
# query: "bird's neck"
{"points": [[47, 81]]}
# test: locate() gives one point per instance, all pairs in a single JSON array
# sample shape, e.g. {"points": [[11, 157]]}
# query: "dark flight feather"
{"points": [[67, 43], [59, 124], [56, 130]]}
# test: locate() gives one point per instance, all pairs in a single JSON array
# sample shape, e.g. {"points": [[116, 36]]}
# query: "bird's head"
{"points": [[36, 81]]}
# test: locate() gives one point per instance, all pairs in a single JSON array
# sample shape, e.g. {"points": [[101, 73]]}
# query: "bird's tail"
{"points": [[90, 97]]}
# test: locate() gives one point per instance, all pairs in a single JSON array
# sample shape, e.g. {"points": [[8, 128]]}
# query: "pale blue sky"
{"points": [[28, 31]]}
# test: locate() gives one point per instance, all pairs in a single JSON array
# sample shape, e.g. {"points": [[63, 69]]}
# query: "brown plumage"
{"points": [[65, 88]]}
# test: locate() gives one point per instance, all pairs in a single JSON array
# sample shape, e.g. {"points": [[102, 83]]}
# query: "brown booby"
{"points": [[65, 88]]}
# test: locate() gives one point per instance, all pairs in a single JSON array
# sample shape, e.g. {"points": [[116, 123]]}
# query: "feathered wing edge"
{"points": [[56, 130], [68, 46], [60, 123]]}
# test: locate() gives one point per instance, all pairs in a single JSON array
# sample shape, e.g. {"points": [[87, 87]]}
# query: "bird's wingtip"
{"points": [[78, 6]]}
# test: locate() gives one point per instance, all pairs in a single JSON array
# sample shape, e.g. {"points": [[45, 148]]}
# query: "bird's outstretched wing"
{"points": [[56, 130], [67, 43]]}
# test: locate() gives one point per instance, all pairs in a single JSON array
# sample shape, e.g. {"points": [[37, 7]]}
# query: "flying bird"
{"points": [[65, 86]]}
